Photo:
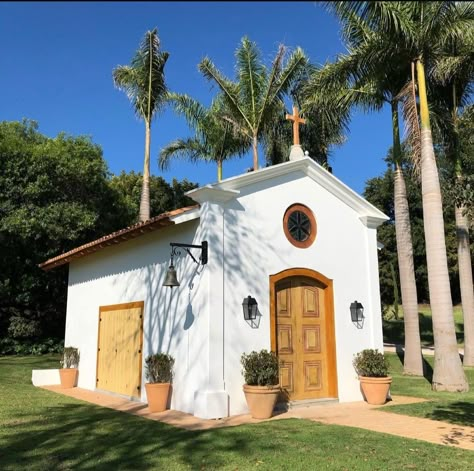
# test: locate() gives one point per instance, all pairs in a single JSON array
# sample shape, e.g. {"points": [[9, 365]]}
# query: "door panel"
{"points": [[301, 340], [119, 351]]}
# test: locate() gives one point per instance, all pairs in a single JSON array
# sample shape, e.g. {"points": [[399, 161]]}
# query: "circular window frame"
{"points": [[312, 220]]}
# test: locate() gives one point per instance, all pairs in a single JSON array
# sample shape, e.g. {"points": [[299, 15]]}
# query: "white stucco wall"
{"points": [[175, 320], [201, 323], [256, 247]]}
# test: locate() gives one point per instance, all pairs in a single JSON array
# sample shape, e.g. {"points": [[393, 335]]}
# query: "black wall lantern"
{"points": [[250, 307], [171, 279], [357, 312]]}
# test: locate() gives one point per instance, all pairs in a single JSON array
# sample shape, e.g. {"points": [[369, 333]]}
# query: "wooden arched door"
{"points": [[302, 323]]}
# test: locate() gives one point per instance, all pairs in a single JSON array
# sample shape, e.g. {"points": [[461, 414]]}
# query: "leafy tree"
{"points": [[255, 99], [215, 138], [164, 197], [54, 195], [144, 83]]}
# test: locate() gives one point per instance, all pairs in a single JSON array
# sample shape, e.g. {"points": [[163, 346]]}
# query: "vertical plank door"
{"points": [[119, 348]]}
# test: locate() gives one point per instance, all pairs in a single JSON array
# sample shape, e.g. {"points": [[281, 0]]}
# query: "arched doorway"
{"points": [[302, 333]]}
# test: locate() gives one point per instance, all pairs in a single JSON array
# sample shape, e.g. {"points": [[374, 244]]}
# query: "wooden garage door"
{"points": [[119, 355]]}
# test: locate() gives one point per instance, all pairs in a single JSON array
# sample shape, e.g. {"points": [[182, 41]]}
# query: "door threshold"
{"points": [[297, 404], [121, 396]]}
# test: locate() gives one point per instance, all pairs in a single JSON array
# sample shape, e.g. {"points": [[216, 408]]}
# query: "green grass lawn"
{"points": [[41, 430], [455, 408], [394, 330]]}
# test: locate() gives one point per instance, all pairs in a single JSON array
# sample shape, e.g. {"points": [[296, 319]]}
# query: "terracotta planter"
{"points": [[375, 389], [68, 377], [261, 400], [157, 395]]}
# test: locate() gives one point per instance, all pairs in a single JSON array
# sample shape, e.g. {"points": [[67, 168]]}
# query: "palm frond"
{"points": [[412, 125], [193, 111], [143, 80], [272, 78], [190, 149], [251, 78], [292, 71], [227, 87]]}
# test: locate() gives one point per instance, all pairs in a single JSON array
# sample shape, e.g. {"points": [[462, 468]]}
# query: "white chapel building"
{"points": [[292, 236]]}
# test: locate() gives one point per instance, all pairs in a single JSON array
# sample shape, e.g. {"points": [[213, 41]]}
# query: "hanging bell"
{"points": [[171, 280]]}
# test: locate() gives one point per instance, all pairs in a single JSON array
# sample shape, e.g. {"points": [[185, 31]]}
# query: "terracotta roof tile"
{"points": [[131, 232]]}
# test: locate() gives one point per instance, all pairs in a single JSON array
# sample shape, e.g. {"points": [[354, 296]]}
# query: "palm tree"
{"points": [[455, 72], [215, 138], [325, 126], [424, 28], [144, 83], [255, 98], [349, 82]]}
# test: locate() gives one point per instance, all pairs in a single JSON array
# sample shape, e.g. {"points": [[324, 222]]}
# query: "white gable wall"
{"points": [[201, 323], [175, 320], [256, 247]]}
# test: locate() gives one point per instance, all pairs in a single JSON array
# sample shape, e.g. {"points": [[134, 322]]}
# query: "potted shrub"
{"points": [[159, 374], [372, 368], [261, 389], [70, 362]]}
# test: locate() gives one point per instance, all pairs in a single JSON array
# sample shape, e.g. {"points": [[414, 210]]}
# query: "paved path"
{"points": [[394, 348], [353, 414]]}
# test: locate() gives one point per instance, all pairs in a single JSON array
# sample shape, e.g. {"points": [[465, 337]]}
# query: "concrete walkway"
{"points": [[395, 348], [354, 414]]}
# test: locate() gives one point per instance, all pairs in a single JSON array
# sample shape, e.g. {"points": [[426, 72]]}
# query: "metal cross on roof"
{"points": [[295, 117]]}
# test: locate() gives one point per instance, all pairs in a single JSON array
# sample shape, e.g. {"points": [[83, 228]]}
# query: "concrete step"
{"points": [[291, 405]]}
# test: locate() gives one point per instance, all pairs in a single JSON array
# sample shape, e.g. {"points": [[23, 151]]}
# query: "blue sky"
{"points": [[57, 61]]}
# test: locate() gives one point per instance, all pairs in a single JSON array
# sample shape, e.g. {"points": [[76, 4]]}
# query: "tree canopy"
{"points": [[56, 194]]}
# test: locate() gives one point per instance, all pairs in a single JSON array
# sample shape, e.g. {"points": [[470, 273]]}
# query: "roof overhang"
{"points": [[212, 194], [163, 220]]}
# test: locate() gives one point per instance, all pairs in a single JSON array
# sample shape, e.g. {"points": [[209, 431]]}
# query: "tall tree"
{"points": [[360, 78], [455, 72], [424, 28], [214, 140], [54, 196], [144, 83], [163, 196], [255, 98], [325, 127], [379, 191]]}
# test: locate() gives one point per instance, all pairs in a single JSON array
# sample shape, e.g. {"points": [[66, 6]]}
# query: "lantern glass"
{"points": [[250, 308], [357, 311]]}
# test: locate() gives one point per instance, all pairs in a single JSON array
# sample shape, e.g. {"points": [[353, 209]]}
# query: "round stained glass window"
{"points": [[299, 225]]}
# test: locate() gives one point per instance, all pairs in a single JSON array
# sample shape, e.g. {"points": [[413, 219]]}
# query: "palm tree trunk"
{"points": [[219, 170], [255, 152], [464, 252], [465, 282], [448, 374], [145, 197], [413, 360]]}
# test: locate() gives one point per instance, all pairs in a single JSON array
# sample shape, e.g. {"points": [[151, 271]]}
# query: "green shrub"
{"points": [[371, 363], [23, 328], [260, 368], [159, 368], [70, 357], [9, 346]]}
